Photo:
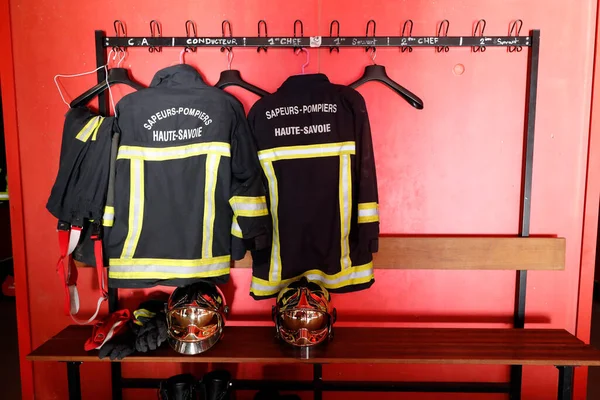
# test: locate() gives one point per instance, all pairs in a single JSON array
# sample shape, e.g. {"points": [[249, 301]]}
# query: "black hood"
{"points": [[178, 76]]}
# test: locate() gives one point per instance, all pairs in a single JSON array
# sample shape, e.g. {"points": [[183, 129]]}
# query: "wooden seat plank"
{"points": [[361, 345], [465, 253]]}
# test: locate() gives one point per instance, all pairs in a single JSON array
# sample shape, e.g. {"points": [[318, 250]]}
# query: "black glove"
{"points": [[118, 347], [152, 334]]}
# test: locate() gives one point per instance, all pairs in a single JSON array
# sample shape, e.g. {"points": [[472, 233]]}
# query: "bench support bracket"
{"points": [[565, 383], [74, 380]]}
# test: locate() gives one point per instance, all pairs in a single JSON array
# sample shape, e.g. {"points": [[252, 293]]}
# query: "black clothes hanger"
{"points": [[232, 77], [378, 73], [115, 76]]}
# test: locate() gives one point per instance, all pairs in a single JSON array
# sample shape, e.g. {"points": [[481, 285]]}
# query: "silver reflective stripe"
{"points": [[170, 153], [136, 208], [210, 182], [370, 212], [166, 269], [239, 208], [309, 151], [345, 211], [235, 229], [275, 265], [89, 128], [109, 214], [326, 281]]}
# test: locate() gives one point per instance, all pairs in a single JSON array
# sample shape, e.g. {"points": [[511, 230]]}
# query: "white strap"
{"points": [[74, 238], [93, 317], [74, 295]]}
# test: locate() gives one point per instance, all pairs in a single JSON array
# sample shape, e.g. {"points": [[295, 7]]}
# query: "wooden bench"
{"points": [[514, 347], [356, 346]]}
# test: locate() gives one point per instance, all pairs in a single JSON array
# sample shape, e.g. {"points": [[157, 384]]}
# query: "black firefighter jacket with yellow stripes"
{"points": [[186, 178], [314, 145]]}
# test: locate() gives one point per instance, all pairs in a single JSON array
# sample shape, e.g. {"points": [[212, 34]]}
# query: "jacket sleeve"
{"points": [[368, 199], [251, 220]]}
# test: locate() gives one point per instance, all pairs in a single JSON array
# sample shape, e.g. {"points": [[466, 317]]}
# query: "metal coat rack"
{"points": [[478, 42]]}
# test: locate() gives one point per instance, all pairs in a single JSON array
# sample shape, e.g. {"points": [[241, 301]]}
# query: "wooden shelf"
{"points": [[358, 346]]}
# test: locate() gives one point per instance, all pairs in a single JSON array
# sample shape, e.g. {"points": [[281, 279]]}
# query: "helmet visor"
{"points": [[192, 324]]}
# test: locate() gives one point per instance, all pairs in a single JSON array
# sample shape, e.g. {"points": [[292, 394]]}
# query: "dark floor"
{"points": [[10, 381]]}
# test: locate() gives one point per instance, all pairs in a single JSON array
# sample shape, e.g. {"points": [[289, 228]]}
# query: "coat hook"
{"points": [[190, 27], [372, 48], [119, 32], [296, 22], [479, 32], [443, 32], [224, 25], [264, 24], [155, 32], [515, 30], [337, 40], [407, 23]]}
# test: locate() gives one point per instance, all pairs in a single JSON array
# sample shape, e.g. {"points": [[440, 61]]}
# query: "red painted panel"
{"points": [[453, 168]]}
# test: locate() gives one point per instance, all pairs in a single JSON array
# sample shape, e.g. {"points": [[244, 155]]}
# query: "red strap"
{"points": [[100, 267]]}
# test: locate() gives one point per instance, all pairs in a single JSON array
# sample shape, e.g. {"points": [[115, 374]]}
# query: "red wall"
{"points": [[453, 168]]}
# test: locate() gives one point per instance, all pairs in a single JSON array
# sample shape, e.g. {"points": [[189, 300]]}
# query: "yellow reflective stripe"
{"points": [[167, 275], [157, 268], [356, 275], [368, 212], [309, 151], [368, 206], [248, 200], [88, 129], [136, 208], [345, 195], [173, 153], [95, 133], [199, 262], [247, 206], [275, 264], [108, 218], [210, 183], [235, 228], [142, 312], [253, 213]]}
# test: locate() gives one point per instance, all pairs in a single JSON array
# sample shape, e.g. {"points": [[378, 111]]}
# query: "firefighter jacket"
{"points": [[186, 178], [314, 146], [79, 191]]}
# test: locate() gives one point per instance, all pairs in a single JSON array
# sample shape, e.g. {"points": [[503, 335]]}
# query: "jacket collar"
{"points": [[181, 76], [303, 80]]}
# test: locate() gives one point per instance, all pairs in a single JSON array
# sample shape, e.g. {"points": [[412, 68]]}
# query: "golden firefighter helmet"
{"points": [[303, 315], [195, 317]]}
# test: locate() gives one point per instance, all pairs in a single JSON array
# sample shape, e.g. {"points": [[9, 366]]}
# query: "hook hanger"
{"points": [[515, 30], [119, 32], [443, 32], [296, 22], [300, 50], [337, 24], [264, 24], [408, 23], [371, 21], [479, 27], [190, 26], [155, 31], [224, 25]]}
